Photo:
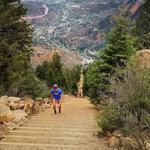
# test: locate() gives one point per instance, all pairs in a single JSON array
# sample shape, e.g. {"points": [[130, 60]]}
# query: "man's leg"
{"points": [[54, 106], [59, 106]]}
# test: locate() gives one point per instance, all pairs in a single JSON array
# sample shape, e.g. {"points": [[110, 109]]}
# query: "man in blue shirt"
{"points": [[56, 94]]}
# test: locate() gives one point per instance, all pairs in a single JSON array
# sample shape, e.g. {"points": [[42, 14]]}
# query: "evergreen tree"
{"points": [[51, 71], [57, 70], [118, 50], [15, 42], [44, 71], [92, 81], [120, 46]]}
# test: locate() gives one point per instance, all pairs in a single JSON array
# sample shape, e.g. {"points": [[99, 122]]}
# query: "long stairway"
{"points": [[74, 129]]}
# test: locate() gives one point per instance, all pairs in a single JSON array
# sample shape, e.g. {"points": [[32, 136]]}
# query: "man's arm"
{"points": [[51, 98], [61, 96]]}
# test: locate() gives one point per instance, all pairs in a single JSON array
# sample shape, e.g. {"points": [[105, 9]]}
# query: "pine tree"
{"points": [[117, 52], [15, 42], [57, 70], [119, 49], [51, 71], [120, 46], [92, 81]]}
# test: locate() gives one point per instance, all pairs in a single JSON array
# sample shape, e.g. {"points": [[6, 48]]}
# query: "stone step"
{"points": [[71, 113], [35, 146], [63, 125], [59, 121], [57, 129], [61, 118], [51, 134], [41, 137], [32, 146], [48, 140]]}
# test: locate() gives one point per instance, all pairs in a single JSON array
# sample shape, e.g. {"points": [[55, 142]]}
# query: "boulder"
{"points": [[44, 106], [12, 105], [5, 113], [4, 100], [128, 143], [143, 57], [28, 105], [3, 130], [20, 116], [13, 102], [40, 101], [117, 133], [36, 108], [113, 142], [148, 145], [20, 104], [46, 100], [13, 99]]}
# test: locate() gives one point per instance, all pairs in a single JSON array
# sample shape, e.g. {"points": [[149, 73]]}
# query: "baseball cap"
{"points": [[55, 86]]}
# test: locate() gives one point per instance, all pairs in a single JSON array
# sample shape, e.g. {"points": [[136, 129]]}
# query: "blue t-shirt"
{"points": [[56, 94]]}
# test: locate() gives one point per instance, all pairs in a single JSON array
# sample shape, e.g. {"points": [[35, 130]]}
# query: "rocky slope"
{"points": [[68, 58]]}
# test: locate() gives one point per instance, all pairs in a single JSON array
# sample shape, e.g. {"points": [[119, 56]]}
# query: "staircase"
{"points": [[74, 129]]}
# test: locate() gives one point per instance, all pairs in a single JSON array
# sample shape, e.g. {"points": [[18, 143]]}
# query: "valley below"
{"points": [[76, 25], [73, 24]]}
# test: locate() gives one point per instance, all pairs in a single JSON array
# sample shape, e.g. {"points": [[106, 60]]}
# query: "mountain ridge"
{"points": [[68, 58]]}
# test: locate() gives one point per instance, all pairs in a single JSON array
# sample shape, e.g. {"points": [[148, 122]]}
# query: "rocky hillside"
{"points": [[68, 58]]}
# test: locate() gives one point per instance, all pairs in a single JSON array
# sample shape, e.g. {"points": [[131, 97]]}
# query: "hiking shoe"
{"points": [[55, 112], [59, 109]]}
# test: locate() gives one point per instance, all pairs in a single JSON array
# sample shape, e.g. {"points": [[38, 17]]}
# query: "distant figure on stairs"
{"points": [[80, 93], [56, 98]]}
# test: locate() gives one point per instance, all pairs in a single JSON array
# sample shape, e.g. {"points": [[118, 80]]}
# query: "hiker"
{"points": [[56, 96]]}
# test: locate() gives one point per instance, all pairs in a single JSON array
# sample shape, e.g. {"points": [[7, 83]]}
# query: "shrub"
{"points": [[131, 98], [109, 119], [29, 85]]}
